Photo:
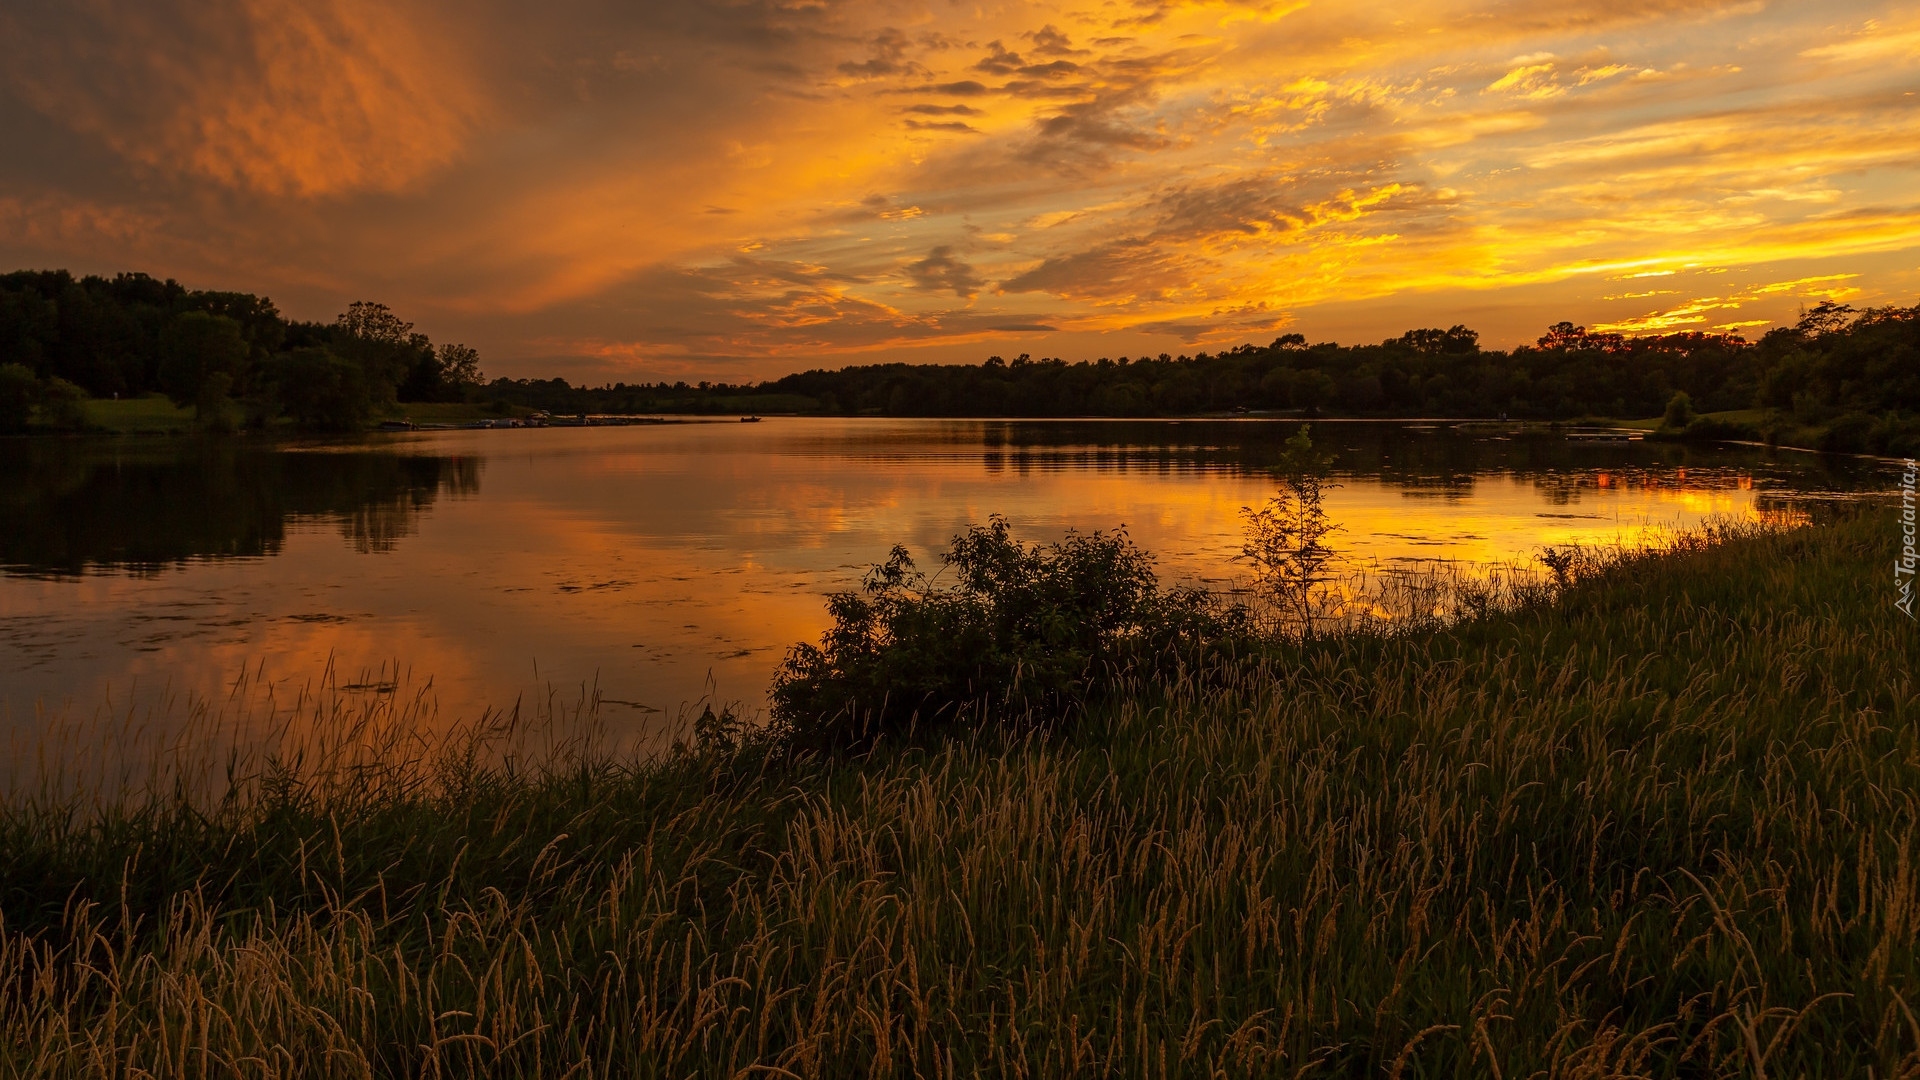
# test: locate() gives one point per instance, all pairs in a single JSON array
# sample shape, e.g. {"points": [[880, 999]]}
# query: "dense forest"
{"points": [[1852, 377], [63, 339]]}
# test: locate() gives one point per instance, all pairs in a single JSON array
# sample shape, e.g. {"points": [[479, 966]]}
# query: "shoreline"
{"points": [[1613, 806]]}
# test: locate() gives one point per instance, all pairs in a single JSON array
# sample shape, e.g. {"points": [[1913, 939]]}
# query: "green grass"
{"points": [[1668, 825], [153, 414], [1754, 417], [1786, 431]]}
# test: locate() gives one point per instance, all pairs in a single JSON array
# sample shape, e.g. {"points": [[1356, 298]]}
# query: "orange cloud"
{"points": [[763, 184], [272, 96]]}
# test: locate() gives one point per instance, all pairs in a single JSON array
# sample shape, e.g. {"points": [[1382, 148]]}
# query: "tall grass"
{"points": [[1664, 825]]}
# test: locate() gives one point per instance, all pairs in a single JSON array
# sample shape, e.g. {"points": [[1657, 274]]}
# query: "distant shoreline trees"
{"points": [[1851, 378], [1855, 375], [216, 352]]}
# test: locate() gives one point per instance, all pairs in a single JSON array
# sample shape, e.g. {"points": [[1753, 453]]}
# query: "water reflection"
{"points": [[73, 507], [663, 563], [1446, 462], [1419, 455]]}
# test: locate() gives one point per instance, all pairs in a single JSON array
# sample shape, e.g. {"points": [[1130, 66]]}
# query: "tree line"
{"points": [[1852, 376], [64, 339]]}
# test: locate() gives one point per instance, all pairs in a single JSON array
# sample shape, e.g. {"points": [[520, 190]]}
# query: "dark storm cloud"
{"points": [[889, 58], [1271, 204], [1048, 41], [963, 88], [1178, 236], [1134, 268], [948, 125], [941, 270]]}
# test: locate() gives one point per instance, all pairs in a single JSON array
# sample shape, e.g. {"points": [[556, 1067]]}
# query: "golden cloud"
{"points": [[279, 97], [678, 180]]}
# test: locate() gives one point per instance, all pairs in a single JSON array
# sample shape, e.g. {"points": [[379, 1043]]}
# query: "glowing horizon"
{"points": [[737, 191]]}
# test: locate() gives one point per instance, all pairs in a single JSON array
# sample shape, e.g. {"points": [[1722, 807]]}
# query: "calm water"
{"points": [[663, 562]]}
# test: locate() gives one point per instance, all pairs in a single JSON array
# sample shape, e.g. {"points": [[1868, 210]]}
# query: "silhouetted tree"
{"points": [[322, 391], [18, 391], [63, 405], [383, 344], [202, 358]]}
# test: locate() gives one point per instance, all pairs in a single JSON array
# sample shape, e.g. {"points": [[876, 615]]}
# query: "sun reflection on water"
{"points": [[659, 565]]}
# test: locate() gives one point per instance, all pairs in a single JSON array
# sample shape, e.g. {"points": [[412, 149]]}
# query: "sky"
{"points": [[704, 189]]}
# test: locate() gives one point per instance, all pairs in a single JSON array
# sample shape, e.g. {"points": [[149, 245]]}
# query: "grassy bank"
{"points": [[1665, 826], [152, 414], [1854, 433]]}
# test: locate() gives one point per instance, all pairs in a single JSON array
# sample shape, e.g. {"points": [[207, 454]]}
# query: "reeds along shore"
{"points": [[1663, 825]]}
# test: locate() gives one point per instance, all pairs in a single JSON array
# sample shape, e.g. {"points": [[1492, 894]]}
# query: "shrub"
{"points": [[322, 391], [1679, 412], [1708, 429], [63, 405], [202, 358], [18, 390], [1025, 631], [1847, 434], [1895, 436], [1286, 538]]}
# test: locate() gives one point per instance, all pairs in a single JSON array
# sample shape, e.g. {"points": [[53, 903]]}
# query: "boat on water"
{"points": [[749, 419]]}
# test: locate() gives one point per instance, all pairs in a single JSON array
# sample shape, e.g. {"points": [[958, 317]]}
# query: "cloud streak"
{"points": [[748, 185]]}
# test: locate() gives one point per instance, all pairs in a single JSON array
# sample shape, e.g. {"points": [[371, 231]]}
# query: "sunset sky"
{"points": [[709, 190]]}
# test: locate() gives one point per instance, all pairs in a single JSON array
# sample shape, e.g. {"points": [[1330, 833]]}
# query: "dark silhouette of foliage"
{"points": [[63, 405], [81, 506], [1679, 412], [203, 359], [1812, 372], [322, 391], [114, 336], [18, 392], [1024, 631], [132, 335], [1286, 538]]}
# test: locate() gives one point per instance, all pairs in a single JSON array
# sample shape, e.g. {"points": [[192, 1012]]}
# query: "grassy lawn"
{"points": [[1755, 417], [1667, 825], [134, 416]]}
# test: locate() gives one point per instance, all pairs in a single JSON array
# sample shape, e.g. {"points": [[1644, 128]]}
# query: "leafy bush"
{"points": [[322, 391], [1890, 435], [1895, 436], [1679, 412], [1710, 429], [1847, 435], [18, 391], [1025, 631], [1286, 538], [202, 358], [63, 405]]}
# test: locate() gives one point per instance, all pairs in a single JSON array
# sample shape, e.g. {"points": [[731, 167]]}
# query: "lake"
{"points": [[666, 564]]}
